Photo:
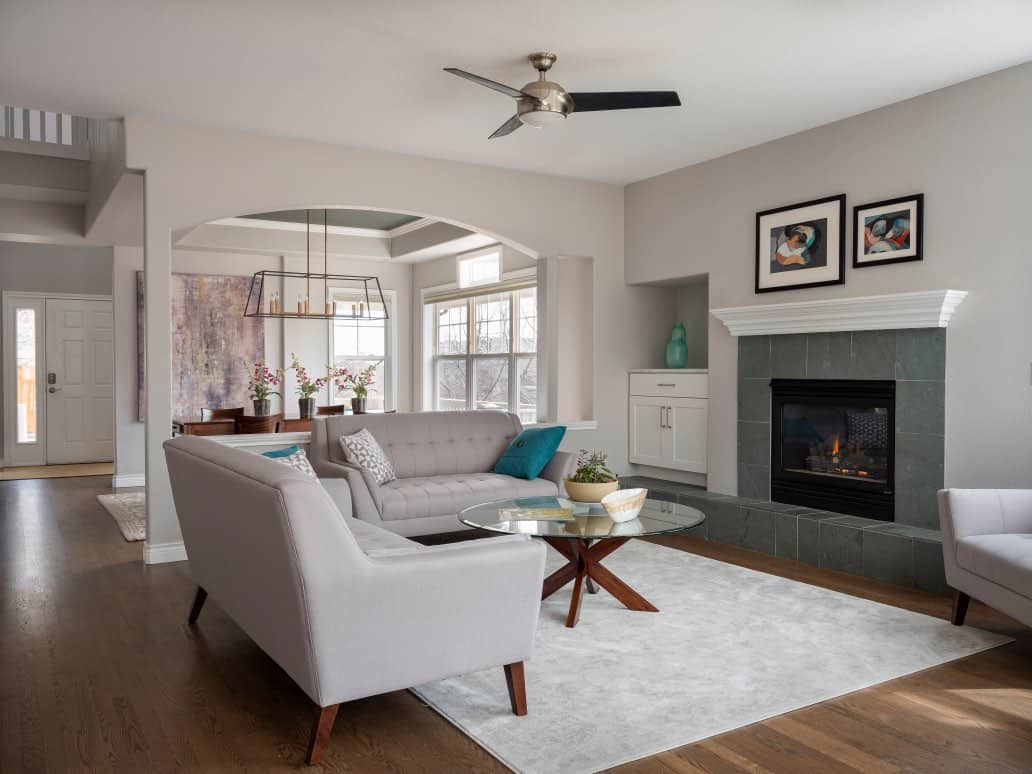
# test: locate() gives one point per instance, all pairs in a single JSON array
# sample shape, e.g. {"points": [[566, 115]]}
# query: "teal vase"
{"points": [[677, 348]]}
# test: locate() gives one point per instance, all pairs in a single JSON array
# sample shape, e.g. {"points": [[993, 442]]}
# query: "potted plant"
{"points": [[360, 384], [306, 387], [592, 480], [260, 381]]}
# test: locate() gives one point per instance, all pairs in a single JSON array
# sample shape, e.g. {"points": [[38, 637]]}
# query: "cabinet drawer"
{"points": [[671, 385]]}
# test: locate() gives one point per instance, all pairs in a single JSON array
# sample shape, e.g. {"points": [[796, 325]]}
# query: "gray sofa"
{"points": [[443, 460], [347, 609], [987, 549]]}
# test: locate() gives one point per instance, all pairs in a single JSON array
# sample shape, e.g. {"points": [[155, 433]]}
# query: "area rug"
{"points": [[730, 647], [129, 510]]}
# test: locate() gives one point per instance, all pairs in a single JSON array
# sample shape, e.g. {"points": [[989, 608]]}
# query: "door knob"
{"points": [[53, 389]]}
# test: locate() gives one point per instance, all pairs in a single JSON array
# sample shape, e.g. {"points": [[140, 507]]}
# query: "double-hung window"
{"points": [[357, 344], [485, 351]]}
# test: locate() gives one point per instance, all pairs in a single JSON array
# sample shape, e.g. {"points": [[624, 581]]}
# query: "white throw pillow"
{"points": [[362, 449], [297, 460]]}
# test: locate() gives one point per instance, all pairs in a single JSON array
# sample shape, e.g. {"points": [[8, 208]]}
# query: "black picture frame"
{"points": [[762, 249], [915, 202]]}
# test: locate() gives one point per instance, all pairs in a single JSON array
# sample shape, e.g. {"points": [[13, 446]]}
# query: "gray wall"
{"points": [[966, 148], [33, 268], [693, 311]]}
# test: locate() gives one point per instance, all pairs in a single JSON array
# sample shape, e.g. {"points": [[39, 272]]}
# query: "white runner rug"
{"points": [[129, 510], [731, 646]]}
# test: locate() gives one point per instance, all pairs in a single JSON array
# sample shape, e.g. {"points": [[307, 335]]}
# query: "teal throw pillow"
{"points": [[530, 451], [293, 456]]}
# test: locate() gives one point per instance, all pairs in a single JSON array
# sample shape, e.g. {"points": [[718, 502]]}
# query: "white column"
{"points": [[164, 540]]}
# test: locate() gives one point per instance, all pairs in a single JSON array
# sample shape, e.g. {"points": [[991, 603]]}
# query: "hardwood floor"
{"points": [[100, 672], [57, 471]]}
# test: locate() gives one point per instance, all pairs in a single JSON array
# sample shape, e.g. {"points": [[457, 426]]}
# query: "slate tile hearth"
{"points": [[892, 552]]}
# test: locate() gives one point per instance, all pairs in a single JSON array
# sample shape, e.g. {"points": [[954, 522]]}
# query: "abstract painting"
{"points": [[211, 342], [888, 232], [801, 245]]}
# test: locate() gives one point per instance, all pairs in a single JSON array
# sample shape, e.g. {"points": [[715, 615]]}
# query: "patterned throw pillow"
{"points": [[295, 457], [362, 449]]}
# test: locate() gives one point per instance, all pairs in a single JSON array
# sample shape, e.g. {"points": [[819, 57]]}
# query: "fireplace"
{"points": [[832, 445]]}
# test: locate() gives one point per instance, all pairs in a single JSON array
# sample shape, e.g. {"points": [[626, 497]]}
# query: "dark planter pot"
{"points": [[358, 405], [306, 407], [262, 408]]}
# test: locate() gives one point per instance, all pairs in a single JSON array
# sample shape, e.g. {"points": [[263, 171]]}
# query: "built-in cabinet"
{"points": [[668, 415]]}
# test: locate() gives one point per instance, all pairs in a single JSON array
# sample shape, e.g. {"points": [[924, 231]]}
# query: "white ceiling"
{"points": [[369, 73]]}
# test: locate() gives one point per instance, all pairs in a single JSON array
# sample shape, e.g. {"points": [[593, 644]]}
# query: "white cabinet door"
{"points": [[80, 397], [646, 431], [685, 438]]}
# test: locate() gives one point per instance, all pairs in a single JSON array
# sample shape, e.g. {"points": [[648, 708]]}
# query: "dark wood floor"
{"points": [[99, 672]]}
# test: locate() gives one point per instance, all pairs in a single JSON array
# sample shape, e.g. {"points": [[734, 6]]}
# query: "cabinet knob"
{"points": [[665, 384]]}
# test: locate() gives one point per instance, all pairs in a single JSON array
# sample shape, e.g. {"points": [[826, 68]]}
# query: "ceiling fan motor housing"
{"points": [[545, 97]]}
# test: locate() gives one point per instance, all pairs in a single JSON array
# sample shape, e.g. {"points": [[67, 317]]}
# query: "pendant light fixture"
{"points": [[269, 287]]}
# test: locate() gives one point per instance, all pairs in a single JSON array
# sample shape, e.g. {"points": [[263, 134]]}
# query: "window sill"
{"points": [[578, 424]]}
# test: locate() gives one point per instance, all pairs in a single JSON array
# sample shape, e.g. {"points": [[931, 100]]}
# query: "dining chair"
{"points": [[207, 414]]}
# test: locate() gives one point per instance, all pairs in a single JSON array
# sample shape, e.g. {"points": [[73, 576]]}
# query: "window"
{"points": [[25, 358], [482, 267], [358, 344], [485, 353]]}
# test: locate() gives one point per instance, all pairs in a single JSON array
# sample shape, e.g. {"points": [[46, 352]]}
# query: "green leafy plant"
{"points": [[592, 468]]}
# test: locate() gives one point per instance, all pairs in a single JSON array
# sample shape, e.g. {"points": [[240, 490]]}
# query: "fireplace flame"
{"points": [[835, 448]]}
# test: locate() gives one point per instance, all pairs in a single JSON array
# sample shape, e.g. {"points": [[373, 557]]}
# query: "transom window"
{"points": [[485, 352]]}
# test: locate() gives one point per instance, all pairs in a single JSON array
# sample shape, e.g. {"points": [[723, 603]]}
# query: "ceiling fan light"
{"points": [[542, 118]]}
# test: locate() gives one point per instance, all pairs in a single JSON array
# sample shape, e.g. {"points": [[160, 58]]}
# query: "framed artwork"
{"points": [[888, 232], [801, 245]]}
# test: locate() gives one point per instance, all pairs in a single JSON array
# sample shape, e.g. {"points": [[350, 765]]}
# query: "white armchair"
{"points": [[987, 549], [348, 610]]}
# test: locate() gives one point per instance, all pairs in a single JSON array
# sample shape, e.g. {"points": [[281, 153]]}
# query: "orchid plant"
{"points": [[261, 379], [306, 385], [360, 383]]}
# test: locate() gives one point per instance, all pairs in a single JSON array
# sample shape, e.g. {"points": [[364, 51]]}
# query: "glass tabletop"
{"points": [[557, 517]]}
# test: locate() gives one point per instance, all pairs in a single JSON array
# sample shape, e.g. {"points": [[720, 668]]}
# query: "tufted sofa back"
{"points": [[431, 443]]}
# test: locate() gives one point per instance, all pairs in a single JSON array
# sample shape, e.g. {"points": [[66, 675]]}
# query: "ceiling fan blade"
{"points": [[508, 127], [584, 101], [507, 90]]}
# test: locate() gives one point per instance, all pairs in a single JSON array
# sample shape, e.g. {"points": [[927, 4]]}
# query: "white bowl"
{"points": [[624, 504]]}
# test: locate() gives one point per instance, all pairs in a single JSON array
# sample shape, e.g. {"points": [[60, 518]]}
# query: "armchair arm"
{"points": [[366, 501], [419, 617], [558, 468]]}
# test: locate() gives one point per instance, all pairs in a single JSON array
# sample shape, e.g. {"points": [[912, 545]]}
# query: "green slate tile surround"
{"points": [[916, 359]]}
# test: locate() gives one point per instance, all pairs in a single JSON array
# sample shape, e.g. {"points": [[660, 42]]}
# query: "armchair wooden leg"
{"points": [[517, 687], [198, 603], [321, 729], [960, 606]]}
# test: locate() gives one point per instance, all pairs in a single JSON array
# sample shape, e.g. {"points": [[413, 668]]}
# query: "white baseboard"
{"points": [[160, 553], [125, 480]]}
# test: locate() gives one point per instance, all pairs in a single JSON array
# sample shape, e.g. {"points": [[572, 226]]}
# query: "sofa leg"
{"points": [[198, 603], [517, 687], [321, 729], [960, 606]]}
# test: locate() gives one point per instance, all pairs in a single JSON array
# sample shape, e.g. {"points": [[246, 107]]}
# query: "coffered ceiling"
{"points": [[369, 74]]}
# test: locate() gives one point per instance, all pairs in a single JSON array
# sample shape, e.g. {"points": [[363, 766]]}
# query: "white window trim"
{"points": [[390, 358], [470, 357]]}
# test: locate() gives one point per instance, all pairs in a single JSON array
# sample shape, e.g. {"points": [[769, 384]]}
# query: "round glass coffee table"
{"points": [[585, 535]]}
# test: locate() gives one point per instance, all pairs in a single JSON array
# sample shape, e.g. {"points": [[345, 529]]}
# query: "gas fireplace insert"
{"points": [[832, 445]]}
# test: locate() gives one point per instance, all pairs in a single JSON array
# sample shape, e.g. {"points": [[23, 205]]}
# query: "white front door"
{"points": [[78, 381]]}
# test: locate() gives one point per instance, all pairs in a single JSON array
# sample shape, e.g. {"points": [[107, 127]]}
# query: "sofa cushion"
{"points": [[379, 542], [426, 443], [413, 498], [530, 451], [1003, 559], [362, 449]]}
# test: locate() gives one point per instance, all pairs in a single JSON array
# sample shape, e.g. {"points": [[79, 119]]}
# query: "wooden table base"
{"points": [[583, 567]]}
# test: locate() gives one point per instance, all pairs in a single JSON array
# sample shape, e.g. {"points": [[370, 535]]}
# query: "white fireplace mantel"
{"points": [[923, 309]]}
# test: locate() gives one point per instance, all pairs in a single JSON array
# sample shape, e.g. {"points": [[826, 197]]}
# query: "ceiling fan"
{"points": [[545, 103]]}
